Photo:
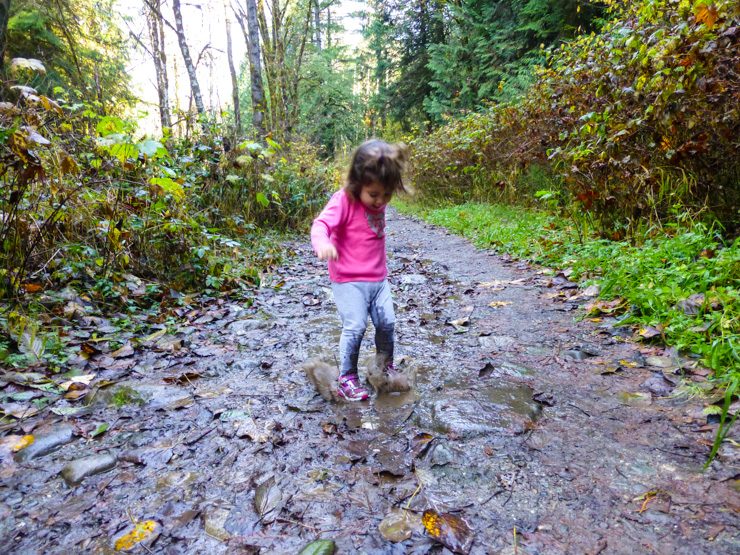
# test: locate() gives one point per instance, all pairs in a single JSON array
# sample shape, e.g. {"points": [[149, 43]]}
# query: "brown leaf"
{"points": [[450, 530], [707, 15], [420, 443], [32, 287]]}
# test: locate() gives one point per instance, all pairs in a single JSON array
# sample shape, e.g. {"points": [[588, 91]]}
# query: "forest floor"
{"points": [[529, 430]]}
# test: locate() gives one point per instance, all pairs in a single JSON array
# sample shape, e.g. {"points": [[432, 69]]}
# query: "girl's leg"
{"points": [[352, 303], [384, 320]]}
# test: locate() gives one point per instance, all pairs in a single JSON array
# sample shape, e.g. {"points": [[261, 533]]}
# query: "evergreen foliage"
{"points": [[80, 44], [629, 126]]}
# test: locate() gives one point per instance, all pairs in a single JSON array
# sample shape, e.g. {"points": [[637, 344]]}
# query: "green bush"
{"points": [[633, 125]]}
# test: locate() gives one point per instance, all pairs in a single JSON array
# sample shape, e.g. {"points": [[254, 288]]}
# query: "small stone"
{"points": [[441, 455], [79, 469], [45, 444]]}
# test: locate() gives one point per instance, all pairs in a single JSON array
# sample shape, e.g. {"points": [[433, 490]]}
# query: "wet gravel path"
{"points": [[559, 435]]}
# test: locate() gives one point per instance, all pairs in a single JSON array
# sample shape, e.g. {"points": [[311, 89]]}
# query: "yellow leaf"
{"points": [[23, 442], [156, 335], [431, 522], [707, 15], [142, 531], [628, 363], [69, 165], [499, 304]]}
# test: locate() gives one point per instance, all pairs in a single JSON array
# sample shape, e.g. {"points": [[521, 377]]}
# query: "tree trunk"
{"points": [[317, 25], [255, 69], [234, 80], [189, 67], [4, 14], [156, 37], [328, 26]]}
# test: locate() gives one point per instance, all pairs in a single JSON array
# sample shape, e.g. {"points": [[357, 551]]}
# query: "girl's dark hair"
{"points": [[376, 161]]}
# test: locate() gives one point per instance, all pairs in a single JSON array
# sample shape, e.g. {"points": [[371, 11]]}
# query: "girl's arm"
{"points": [[324, 225]]}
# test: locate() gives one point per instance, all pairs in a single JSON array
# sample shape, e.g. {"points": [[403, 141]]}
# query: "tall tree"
{"points": [[155, 25], [189, 66], [284, 38], [317, 25], [232, 71], [254, 52], [4, 16]]}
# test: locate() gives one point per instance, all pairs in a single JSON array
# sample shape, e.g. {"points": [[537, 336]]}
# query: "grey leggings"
{"points": [[355, 300]]}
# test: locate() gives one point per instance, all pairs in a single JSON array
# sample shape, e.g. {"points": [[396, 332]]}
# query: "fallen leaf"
{"points": [[399, 525], [76, 381], [448, 529], [101, 429], [707, 14], [142, 531], [18, 410], [419, 443], [499, 304], [182, 379], [319, 547], [32, 287], [125, 351], [23, 442], [156, 335], [267, 500]]}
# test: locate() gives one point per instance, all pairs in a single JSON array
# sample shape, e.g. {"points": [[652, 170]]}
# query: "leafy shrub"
{"points": [[632, 124], [84, 200]]}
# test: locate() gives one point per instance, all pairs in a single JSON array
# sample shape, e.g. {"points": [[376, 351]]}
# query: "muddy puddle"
{"points": [[210, 440]]}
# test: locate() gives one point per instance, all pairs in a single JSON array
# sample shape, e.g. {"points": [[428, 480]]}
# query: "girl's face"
{"points": [[374, 196]]}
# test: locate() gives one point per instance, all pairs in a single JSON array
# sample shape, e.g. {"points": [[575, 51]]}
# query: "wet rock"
{"points": [[575, 354], [7, 521], [44, 444], [492, 410], [155, 395], [635, 399], [241, 327], [662, 362], [496, 342], [441, 455], [177, 480], [413, 279], [657, 385], [590, 350], [245, 364], [76, 471]]}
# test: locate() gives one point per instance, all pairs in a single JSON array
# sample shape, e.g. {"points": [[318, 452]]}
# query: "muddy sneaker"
{"points": [[351, 389]]}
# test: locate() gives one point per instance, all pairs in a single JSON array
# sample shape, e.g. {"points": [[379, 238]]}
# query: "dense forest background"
{"points": [[613, 126]]}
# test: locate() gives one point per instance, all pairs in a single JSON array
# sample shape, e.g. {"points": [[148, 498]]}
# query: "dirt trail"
{"points": [[522, 419]]}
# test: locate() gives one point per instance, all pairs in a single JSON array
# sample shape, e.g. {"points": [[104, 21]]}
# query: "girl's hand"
{"points": [[329, 252]]}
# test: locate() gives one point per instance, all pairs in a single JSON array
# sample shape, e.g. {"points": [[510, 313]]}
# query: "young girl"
{"points": [[350, 234]]}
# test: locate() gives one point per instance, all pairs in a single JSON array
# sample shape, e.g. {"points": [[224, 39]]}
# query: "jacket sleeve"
{"points": [[325, 223]]}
